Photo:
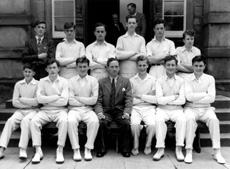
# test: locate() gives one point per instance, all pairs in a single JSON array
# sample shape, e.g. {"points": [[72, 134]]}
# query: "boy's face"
{"points": [[28, 74], [159, 30], [113, 68], [40, 29], [142, 67], [100, 33], [82, 69], [188, 41], [198, 68], [53, 69], [170, 67], [70, 33], [132, 24]]}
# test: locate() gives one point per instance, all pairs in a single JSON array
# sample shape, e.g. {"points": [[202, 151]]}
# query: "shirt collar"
{"points": [[134, 14], [185, 49], [33, 81], [104, 43], [115, 79], [39, 37], [74, 41], [155, 39], [146, 78], [193, 77], [86, 77], [175, 77], [48, 79], [127, 35]]}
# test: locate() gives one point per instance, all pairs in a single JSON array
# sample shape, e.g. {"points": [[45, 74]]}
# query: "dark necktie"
{"points": [[112, 97], [39, 42]]}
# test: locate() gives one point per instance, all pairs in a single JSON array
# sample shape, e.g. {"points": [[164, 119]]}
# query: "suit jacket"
{"points": [[30, 54], [141, 21], [123, 96], [113, 33]]}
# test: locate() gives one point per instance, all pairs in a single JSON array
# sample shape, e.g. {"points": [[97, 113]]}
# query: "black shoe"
{"points": [[100, 154], [126, 154]]}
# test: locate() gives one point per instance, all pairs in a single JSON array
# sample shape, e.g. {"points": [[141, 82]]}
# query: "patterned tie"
{"points": [[39, 42], [112, 96]]}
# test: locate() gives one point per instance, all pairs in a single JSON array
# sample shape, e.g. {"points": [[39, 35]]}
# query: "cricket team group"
{"points": [[100, 84]]}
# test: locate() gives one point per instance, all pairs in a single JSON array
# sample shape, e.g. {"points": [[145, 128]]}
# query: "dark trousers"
{"points": [[123, 128]]}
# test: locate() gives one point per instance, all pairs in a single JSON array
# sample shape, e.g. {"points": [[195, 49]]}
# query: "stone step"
{"points": [[224, 127], [221, 102], [205, 140]]}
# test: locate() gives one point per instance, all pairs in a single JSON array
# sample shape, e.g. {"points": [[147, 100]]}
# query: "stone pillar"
{"points": [[216, 28], [79, 20], [39, 9]]}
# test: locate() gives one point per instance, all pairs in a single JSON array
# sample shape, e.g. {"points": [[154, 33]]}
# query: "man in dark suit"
{"points": [[141, 21], [114, 104], [39, 49], [115, 30]]}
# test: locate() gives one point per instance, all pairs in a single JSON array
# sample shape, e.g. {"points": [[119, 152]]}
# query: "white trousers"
{"points": [[90, 118], [176, 116], [45, 116], [206, 115], [157, 71], [20, 118], [147, 115]]}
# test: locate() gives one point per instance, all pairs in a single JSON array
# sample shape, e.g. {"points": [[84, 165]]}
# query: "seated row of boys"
{"points": [[114, 98]]}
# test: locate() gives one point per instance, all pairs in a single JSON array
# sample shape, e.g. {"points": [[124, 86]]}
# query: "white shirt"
{"points": [[143, 87], [102, 52], [53, 95], [161, 49], [67, 51], [200, 92], [83, 92], [166, 91], [24, 95]]}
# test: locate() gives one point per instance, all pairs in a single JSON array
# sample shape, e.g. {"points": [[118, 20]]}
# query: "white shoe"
{"points": [[77, 155], [147, 150], [37, 157], [219, 158], [2, 155], [179, 153], [22, 154], [135, 151], [88, 155], [59, 156], [159, 154], [188, 157]]}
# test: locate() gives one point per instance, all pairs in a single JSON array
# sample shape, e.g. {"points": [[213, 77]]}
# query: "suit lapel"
{"points": [[34, 45], [108, 84]]}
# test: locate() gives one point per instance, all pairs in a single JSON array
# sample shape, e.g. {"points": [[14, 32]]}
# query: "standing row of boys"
{"points": [[128, 98]]}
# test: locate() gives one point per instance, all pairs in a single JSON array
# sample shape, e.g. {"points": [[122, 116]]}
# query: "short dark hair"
{"points": [[142, 58], [188, 32], [37, 22], [98, 24], [199, 58], [69, 25], [29, 65], [133, 5], [82, 59], [130, 17], [51, 61], [110, 60], [158, 21], [169, 58]]}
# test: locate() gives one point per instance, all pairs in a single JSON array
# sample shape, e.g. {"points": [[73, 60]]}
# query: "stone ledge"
{"points": [[217, 52], [216, 17]]}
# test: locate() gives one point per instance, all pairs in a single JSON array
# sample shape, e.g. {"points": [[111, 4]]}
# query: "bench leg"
{"points": [[196, 142]]}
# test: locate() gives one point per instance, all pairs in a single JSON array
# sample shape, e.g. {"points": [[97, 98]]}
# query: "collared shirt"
{"points": [[53, 95], [125, 45], [161, 49], [143, 87], [200, 92], [65, 52], [83, 92], [166, 91], [40, 38], [101, 52], [24, 95], [185, 56]]}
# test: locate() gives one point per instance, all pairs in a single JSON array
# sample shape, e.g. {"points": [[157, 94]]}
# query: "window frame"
{"points": [[61, 34], [175, 34]]}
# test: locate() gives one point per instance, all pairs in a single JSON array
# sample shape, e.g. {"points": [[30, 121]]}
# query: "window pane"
{"points": [[174, 23], [173, 8], [59, 22], [63, 8]]}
